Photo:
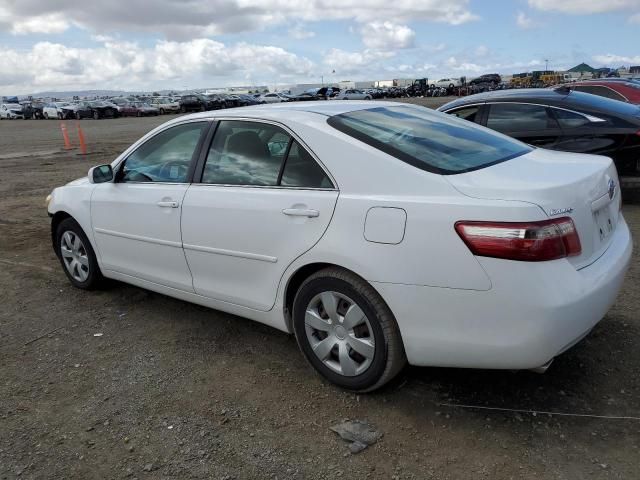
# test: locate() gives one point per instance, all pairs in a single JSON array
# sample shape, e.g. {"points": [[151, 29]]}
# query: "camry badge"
{"points": [[612, 189], [560, 211]]}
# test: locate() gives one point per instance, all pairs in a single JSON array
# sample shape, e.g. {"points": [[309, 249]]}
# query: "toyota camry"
{"points": [[377, 234]]}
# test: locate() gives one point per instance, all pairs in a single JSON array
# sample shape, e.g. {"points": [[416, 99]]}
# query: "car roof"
{"points": [[284, 111], [559, 97]]}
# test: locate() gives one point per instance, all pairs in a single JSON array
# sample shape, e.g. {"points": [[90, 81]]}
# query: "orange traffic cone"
{"points": [[65, 136], [83, 144]]}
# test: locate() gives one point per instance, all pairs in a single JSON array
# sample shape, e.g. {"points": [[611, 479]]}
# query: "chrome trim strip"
{"points": [[139, 238], [231, 253]]}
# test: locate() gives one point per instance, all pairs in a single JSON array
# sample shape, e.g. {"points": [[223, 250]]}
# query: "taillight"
{"points": [[527, 242]]}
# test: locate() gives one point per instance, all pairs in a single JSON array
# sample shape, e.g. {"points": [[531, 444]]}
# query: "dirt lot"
{"points": [[173, 390]]}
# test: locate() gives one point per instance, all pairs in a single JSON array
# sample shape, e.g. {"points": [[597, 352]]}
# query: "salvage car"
{"points": [[378, 234], [165, 105], [448, 83], [273, 98], [54, 110], [614, 88], [11, 111], [353, 94], [559, 119]]}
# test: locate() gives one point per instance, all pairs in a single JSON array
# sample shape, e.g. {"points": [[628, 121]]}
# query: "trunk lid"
{"points": [[583, 187]]}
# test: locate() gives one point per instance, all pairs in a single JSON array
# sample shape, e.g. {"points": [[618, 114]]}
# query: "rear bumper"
{"points": [[533, 312]]}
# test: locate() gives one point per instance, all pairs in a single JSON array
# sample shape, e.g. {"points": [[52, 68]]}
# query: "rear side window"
{"points": [[428, 140], [518, 117], [260, 154], [568, 119]]}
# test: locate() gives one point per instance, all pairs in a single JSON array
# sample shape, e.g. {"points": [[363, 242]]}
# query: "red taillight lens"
{"points": [[527, 242]]}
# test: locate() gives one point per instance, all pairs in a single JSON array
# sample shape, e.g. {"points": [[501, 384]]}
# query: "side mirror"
{"points": [[101, 174]]}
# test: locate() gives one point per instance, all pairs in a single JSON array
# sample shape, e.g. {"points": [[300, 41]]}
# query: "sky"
{"points": [[64, 45]]}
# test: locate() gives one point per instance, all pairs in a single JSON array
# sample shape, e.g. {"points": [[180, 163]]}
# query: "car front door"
{"points": [[136, 219], [532, 124], [263, 200]]}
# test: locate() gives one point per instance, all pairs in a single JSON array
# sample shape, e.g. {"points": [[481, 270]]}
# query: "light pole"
{"points": [[546, 65]]}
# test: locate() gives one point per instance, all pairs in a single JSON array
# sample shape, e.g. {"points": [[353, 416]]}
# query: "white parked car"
{"points": [[54, 110], [272, 98], [165, 105], [353, 94], [447, 83], [11, 111], [377, 234]]}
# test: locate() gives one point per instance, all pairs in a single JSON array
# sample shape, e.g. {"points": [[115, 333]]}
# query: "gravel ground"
{"points": [[173, 390]]}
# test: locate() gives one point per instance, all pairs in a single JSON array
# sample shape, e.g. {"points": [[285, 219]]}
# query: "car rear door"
{"points": [[136, 218], [262, 201], [530, 123], [583, 133]]}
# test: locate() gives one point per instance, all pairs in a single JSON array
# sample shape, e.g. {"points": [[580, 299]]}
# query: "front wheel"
{"points": [[77, 256], [346, 331]]}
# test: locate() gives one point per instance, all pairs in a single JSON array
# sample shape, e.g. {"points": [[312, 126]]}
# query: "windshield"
{"points": [[428, 140]]}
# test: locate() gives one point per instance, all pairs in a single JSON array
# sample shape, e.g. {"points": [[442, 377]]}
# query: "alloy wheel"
{"points": [[74, 256], [339, 333]]}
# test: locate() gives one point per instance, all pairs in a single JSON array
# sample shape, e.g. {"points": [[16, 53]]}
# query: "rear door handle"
{"points": [[168, 204], [301, 212]]}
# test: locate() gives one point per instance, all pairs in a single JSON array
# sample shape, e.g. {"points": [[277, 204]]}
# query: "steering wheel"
{"points": [[165, 170]]}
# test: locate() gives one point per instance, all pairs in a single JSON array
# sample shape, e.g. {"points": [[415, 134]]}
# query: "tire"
{"points": [[162, 111], [60, 116], [384, 357], [89, 279], [46, 116], [183, 109], [78, 116], [96, 115], [139, 114]]}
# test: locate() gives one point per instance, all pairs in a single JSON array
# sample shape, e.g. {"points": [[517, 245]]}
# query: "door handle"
{"points": [[168, 204], [301, 212]]}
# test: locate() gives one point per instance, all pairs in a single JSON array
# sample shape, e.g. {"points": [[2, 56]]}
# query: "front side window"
{"points": [[467, 113], [165, 157], [428, 140], [518, 117]]}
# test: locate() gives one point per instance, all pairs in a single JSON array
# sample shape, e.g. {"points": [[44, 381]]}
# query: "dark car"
{"points": [[492, 79], [249, 100], [100, 109], [559, 119], [616, 88], [199, 103]]}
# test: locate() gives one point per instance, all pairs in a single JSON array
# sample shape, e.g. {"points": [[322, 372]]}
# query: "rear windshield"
{"points": [[604, 103], [428, 140]]}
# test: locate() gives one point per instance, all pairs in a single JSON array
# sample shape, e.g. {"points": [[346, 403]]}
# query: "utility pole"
{"points": [[546, 65]]}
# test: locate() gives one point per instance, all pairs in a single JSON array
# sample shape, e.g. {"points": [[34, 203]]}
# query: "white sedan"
{"points": [[353, 95], [448, 83], [377, 234], [272, 98]]}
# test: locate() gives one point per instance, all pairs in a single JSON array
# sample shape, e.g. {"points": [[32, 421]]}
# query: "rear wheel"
{"points": [[346, 331], [77, 256]]}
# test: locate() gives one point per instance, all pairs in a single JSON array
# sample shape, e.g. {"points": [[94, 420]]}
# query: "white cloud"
{"points": [[387, 36], [126, 65], [525, 22], [635, 19], [362, 63], [299, 33], [481, 51], [584, 6], [611, 59], [177, 19]]}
